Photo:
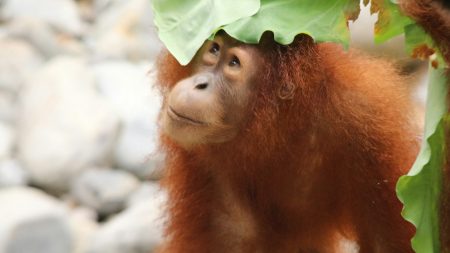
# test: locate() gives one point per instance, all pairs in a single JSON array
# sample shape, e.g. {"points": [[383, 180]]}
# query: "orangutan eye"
{"points": [[215, 48], [234, 62]]}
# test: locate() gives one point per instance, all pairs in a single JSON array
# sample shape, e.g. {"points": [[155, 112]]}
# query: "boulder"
{"points": [[7, 138], [129, 89], [137, 230], [125, 30], [104, 190], [18, 60], [146, 192], [33, 222], [84, 226], [46, 40], [60, 14], [7, 106], [12, 174], [64, 125]]}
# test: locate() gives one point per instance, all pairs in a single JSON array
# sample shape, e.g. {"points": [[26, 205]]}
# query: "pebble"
{"points": [[18, 61], [104, 190], [7, 138], [12, 174], [128, 87], [136, 230], [60, 14], [64, 125], [32, 221]]}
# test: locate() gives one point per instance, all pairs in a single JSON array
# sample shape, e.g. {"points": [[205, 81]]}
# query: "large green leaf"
{"points": [[323, 20], [420, 189], [183, 25]]}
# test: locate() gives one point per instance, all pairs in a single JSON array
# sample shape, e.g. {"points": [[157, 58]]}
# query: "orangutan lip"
{"points": [[177, 116]]}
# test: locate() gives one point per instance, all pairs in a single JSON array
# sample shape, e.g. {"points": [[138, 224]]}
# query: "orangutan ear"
{"points": [[287, 91]]}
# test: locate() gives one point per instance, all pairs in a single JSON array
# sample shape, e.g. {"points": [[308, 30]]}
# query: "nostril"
{"points": [[201, 86]]}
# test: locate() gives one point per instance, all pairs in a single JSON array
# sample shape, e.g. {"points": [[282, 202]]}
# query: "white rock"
{"points": [[102, 5], [61, 14], [18, 60], [64, 125], [46, 40], [128, 88], [32, 222], [84, 227], [125, 29], [136, 151], [104, 190], [137, 230], [6, 141], [7, 106], [146, 192], [12, 174]]}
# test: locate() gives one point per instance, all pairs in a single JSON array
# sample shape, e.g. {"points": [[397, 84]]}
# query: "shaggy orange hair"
{"points": [[328, 137]]}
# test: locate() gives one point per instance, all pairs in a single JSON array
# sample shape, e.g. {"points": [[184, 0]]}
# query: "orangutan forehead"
{"points": [[227, 39]]}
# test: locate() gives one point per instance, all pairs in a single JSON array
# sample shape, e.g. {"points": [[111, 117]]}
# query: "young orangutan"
{"points": [[274, 148]]}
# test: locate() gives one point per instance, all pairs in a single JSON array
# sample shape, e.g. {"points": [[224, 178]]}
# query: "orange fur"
{"points": [[307, 168]]}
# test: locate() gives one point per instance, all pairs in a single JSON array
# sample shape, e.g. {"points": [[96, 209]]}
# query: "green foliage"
{"points": [[322, 20], [183, 25], [391, 22], [420, 189], [419, 44]]}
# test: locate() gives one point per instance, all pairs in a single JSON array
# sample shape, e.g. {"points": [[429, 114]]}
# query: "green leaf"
{"points": [[420, 189], [323, 20], [416, 36], [391, 22], [184, 25], [420, 45]]}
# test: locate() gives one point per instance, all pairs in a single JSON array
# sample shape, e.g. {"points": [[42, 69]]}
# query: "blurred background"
{"points": [[79, 167], [78, 164]]}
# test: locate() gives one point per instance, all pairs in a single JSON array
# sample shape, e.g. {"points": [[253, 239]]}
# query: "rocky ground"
{"points": [[79, 168]]}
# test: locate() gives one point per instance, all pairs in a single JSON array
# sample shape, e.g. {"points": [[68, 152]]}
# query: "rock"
{"points": [[104, 190], [137, 230], [12, 174], [84, 227], [136, 151], [32, 222], [125, 29], [64, 126], [60, 14], [86, 10], [7, 106], [18, 60], [6, 141], [46, 40], [128, 88], [145, 193], [102, 5]]}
